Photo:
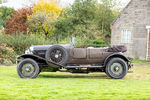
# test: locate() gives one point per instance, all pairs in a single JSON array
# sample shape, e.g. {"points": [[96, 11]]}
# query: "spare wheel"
{"points": [[56, 54]]}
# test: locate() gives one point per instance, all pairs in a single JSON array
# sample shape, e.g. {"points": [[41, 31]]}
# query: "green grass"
{"points": [[139, 61], [66, 86]]}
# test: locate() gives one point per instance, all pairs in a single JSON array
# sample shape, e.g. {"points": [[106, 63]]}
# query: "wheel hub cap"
{"points": [[28, 69], [116, 68], [56, 56]]}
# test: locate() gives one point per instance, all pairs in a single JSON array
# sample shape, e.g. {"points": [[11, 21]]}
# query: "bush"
{"points": [[21, 42], [7, 55], [18, 21], [5, 13], [13, 45], [84, 43]]}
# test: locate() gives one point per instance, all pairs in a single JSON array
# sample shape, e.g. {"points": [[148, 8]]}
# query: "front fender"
{"points": [[118, 55], [36, 58], [24, 56]]}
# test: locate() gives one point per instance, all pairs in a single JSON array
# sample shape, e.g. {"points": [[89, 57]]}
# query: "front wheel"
{"points": [[28, 68], [116, 68]]}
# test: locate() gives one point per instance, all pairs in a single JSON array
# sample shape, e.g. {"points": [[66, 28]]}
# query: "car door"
{"points": [[95, 53], [79, 53]]}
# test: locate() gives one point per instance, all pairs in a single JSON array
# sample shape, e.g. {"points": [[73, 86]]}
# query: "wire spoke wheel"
{"points": [[56, 56], [27, 70], [116, 69]]}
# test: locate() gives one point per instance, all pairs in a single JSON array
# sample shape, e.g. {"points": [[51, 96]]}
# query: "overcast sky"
{"points": [[67, 2], [125, 2], [21, 3]]}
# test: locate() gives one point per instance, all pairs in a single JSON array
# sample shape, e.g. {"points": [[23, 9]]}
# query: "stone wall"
{"points": [[135, 17], [149, 49]]}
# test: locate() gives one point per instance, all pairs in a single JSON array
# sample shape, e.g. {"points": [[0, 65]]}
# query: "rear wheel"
{"points": [[116, 68], [28, 68]]}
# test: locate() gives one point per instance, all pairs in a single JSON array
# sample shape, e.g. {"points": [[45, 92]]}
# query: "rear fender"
{"points": [[118, 55]]}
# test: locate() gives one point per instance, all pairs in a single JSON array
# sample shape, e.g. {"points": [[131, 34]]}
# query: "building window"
{"points": [[3, 1], [126, 36]]}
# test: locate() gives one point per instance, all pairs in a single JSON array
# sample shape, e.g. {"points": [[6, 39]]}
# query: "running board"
{"points": [[130, 71], [83, 66]]}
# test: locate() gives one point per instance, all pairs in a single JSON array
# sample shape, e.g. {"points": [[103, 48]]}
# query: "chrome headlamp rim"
{"points": [[31, 48]]}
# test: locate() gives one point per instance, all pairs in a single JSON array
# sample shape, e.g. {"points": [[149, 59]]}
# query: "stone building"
{"points": [[132, 28]]}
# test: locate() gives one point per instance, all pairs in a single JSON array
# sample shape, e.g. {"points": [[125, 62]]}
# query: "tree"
{"points": [[5, 13], [41, 22], [104, 19], [43, 17], [18, 21], [86, 18], [114, 5]]}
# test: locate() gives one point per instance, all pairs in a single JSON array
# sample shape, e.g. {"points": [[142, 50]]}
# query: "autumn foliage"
{"points": [[18, 21], [50, 7], [45, 13]]}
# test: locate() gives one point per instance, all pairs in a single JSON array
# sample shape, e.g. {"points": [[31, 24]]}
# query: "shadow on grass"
{"points": [[74, 76]]}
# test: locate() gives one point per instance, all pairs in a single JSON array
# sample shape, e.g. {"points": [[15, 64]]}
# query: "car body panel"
{"points": [[87, 56], [79, 55]]}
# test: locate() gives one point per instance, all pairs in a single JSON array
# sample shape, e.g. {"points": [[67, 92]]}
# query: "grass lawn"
{"points": [[139, 61], [66, 86]]}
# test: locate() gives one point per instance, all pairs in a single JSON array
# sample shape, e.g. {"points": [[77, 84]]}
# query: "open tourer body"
{"points": [[75, 60]]}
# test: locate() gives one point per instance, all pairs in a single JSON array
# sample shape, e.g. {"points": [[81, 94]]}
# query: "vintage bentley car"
{"points": [[67, 58]]}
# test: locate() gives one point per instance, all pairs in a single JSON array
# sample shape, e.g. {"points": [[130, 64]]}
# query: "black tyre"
{"points": [[40, 70], [28, 68], [56, 54], [116, 68]]}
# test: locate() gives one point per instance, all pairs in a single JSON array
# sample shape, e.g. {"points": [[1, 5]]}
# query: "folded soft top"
{"points": [[119, 48]]}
